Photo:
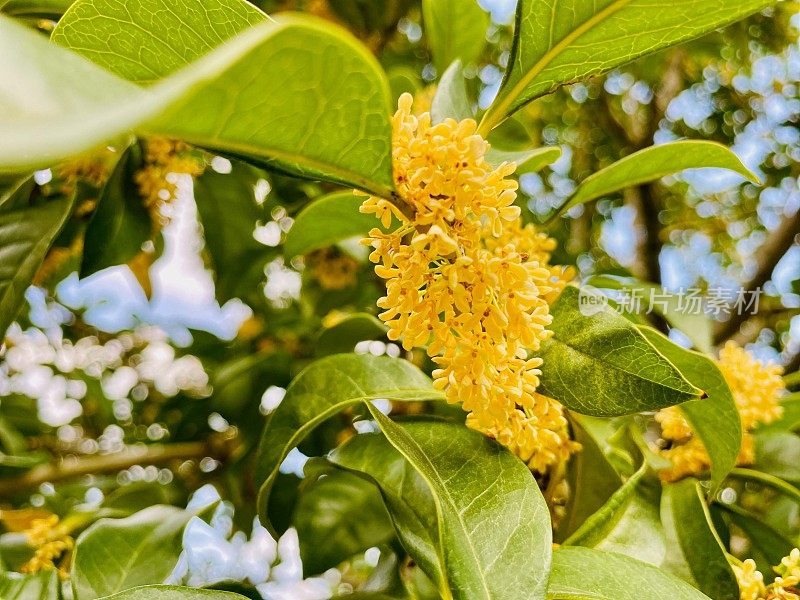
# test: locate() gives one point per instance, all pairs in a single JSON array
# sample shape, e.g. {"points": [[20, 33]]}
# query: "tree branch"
{"points": [[767, 257], [70, 467]]}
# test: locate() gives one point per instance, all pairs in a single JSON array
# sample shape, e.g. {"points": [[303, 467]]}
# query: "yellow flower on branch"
{"points": [[163, 160], [756, 389], [51, 541], [751, 581], [467, 280]]}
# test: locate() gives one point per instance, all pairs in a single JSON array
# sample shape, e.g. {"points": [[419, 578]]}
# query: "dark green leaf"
{"points": [[654, 163], [326, 221], [169, 592], [41, 586], [563, 41], [715, 419], [591, 479], [506, 555], [694, 550], [451, 100], [456, 29], [116, 554], [325, 388], [338, 516], [627, 524], [229, 213], [602, 365], [121, 223], [25, 237], [586, 574]]}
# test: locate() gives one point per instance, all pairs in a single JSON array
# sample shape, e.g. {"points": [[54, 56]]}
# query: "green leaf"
{"points": [[470, 477], [677, 310], [627, 524], [121, 223], [256, 76], [527, 161], [455, 29], [767, 546], [338, 516], [654, 163], [41, 586], [776, 454], [695, 552], [26, 235], [228, 211], [325, 388], [563, 41], [586, 574], [408, 498], [344, 336], [169, 592], [591, 479], [715, 419], [602, 365], [116, 554], [451, 100], [145, 41], [326, 221]]}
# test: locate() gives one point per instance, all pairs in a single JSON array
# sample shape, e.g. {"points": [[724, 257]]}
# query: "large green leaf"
{"points": [[325, 388], [586, 574], [591, 479], [654, 163], [336, 517], [326, 221], [121, 223], [41, 586], [407, 496], [562, 41], [169, 592], [598, 363], [767, 546], [627, 524], [695, 552], [715, 419], [676, 309], [494, 526], [776, 454], [456, 29], [243, 98], [451, 100], [145, 41], [229, 214], [116, 554], [25, 237]]}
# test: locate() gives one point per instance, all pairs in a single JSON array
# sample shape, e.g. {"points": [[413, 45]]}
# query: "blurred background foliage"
{"points": [[104, 370]]}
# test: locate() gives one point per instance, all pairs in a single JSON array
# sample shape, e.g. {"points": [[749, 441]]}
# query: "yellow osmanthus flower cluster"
{"points": [[756, 388], [50, 540], [466, 279], [163, 159], [785, 586], [333, 270]]}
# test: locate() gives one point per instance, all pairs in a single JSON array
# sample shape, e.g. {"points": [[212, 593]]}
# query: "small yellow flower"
{"points": [[467, 280], [50, 540], [751, 581], [163, 159], [756, 389], [333, 270]]}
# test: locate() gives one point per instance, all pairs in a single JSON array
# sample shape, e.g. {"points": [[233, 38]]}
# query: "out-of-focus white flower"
{"points": [[211, 555]]}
